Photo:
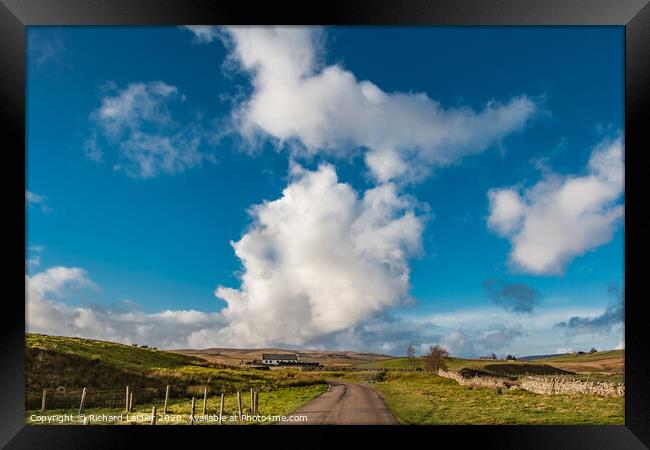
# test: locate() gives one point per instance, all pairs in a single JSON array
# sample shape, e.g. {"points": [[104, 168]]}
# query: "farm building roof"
{"points": [[281, 357]]}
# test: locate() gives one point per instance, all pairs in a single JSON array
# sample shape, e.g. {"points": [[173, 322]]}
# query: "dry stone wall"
{"points": [[542, 385], [551, 386], [489, 382]]}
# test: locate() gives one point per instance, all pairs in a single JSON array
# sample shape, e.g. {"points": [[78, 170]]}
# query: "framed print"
{"points": [[272, 223]]}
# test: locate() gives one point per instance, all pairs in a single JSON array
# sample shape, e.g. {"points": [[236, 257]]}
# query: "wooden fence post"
{"points": [[83, 399], [192, 413], [43, 401], [166, 399], [126, 402], [239, 404], [153, 415], [205, 400], [131, 401], [257, 398], [221, 409], [252, 402]]}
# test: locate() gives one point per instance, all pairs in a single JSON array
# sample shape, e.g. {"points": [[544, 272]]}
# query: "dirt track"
{"points": [[346, 404]]}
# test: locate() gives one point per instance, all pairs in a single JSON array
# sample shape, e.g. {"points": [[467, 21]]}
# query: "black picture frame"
{"points": [[634, 15]]}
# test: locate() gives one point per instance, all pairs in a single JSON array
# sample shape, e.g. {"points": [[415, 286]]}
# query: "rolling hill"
{"points": [[611, 361], [59, 361], [110, 353], [233, 356]]}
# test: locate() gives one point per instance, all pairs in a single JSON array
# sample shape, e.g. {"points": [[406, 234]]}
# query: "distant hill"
{"points": [[233, 356], [452, 362], [610, 361]]}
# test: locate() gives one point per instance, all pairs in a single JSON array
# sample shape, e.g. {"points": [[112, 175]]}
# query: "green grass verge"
{"points": [[417, 398]]}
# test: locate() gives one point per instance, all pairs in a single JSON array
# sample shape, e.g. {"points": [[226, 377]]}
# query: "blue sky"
{"points": [[148, 236]]}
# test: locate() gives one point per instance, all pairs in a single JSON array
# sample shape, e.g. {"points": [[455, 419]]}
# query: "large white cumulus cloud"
{"points": [[327, 109], [319, 260], [562, 217]]}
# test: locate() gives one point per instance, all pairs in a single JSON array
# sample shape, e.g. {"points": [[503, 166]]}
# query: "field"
{"points": [[416, 397], [609, 362], [420, 398], [451, 363], [392, 363], [64, 365]]}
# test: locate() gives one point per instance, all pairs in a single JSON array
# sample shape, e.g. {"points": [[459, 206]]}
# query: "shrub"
{"points": [[380, 375]]}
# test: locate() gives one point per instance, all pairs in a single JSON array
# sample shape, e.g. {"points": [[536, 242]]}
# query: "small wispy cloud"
{"points": [[35, 259], [32, 198], [92, 150], [203, 34], [45, 46], [137, 121], [33, 262]]}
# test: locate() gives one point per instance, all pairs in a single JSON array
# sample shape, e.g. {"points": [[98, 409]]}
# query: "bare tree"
{"points": [[435, 359], [410, 354]]}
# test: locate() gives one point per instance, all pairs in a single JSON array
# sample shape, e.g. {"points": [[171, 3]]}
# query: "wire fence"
{"points": [[61, 405], [107, 398]]}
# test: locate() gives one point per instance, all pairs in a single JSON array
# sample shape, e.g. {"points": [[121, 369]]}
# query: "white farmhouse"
{"points": [[276, 359]]}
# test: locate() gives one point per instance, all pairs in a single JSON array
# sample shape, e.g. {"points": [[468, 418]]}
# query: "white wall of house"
{"points": [[275, 362]]}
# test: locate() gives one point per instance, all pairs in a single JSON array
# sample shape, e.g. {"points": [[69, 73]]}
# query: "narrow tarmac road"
{"points": [[346, 404]]}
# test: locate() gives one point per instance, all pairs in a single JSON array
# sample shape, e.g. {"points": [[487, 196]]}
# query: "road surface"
{"points": [[346, 404]]}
